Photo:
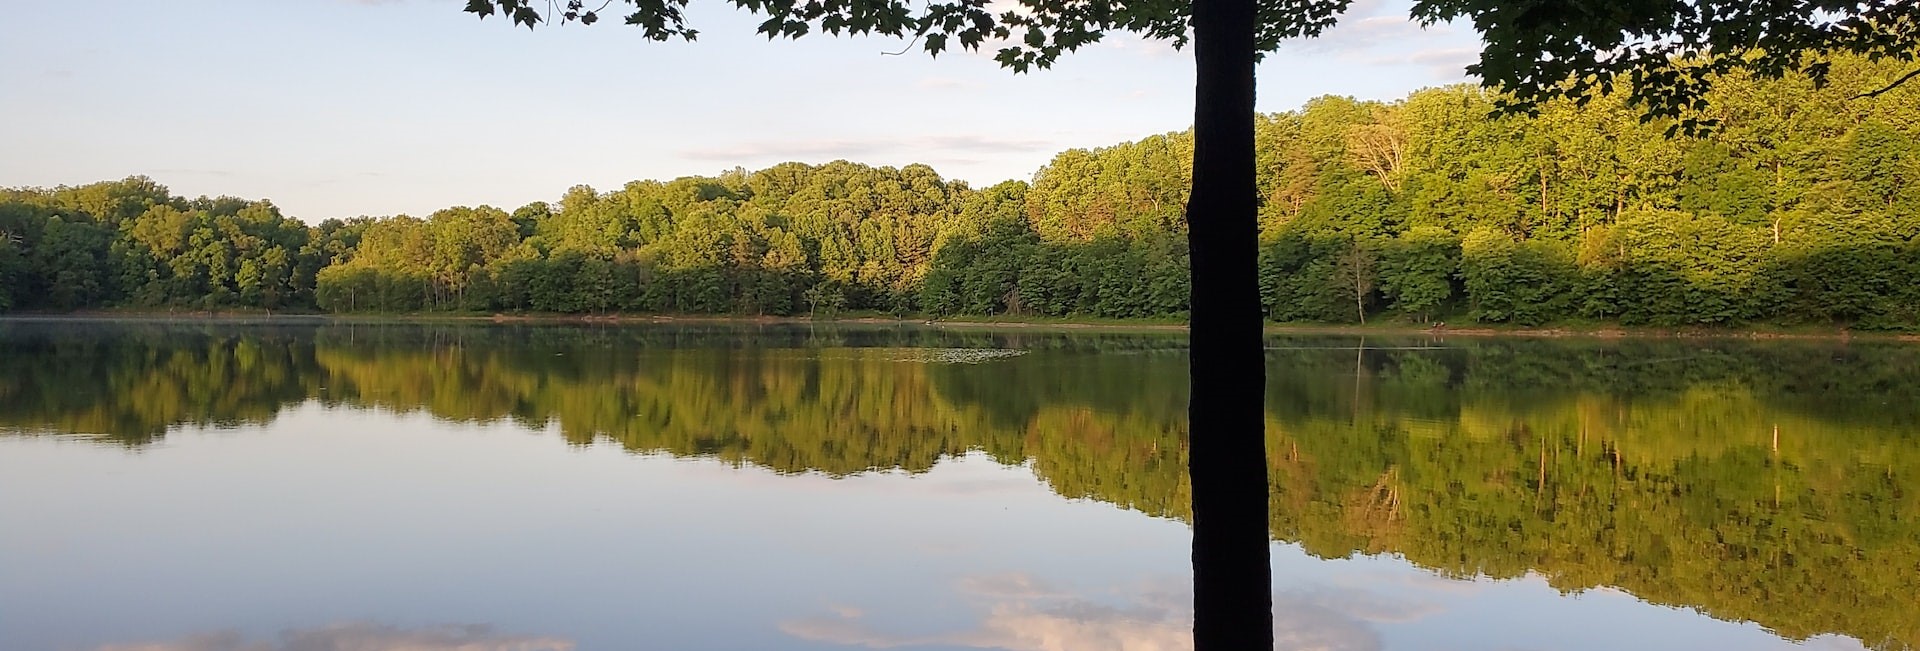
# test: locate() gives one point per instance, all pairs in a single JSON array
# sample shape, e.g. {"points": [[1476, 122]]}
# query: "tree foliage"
{"points": [[1801, 210], [1670, 56]]}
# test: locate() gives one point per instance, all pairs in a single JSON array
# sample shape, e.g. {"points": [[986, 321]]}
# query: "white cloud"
{"points": [[945, 163], [826, 149], [1366, 26], [945, 83], [1379, 33], [1141, 45], [173, 171], [1360, 36], [359, 637], [1445, 62]]}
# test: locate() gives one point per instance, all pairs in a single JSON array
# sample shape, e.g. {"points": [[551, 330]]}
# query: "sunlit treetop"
{"points": [[1666, 53]]}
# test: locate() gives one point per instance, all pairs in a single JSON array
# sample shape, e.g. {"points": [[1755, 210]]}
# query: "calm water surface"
{"points": [[378, 488]]}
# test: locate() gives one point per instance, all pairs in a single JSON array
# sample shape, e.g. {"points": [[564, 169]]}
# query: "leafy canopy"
{"points": [[1667, 52], [1029, 33]]}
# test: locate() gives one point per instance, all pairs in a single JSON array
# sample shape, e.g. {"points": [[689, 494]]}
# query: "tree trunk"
{"points": [[1359, 287], [1232, 579]]}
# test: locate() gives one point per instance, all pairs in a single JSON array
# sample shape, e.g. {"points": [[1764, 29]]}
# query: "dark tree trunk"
{"points": [[1232, 580]]}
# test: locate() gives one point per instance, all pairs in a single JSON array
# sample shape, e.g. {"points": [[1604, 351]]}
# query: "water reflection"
{"points": [[1023, 613], [1772, 483], [360, 636]]}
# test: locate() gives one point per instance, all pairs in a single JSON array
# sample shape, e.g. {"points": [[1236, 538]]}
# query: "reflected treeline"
{"points": [[1775, 483], [130, 385], [1767, 482]]}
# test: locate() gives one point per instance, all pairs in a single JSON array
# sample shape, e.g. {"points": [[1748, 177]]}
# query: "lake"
{"points": [[378, 487]]}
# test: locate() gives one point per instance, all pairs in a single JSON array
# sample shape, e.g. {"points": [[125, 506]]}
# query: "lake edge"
{"points": [[1601, 331]]}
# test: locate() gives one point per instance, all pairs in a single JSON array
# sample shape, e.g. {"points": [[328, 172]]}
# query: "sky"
{"points": [[338, 108]]}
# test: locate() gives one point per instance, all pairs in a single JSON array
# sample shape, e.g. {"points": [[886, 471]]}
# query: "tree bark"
{"points": [[1232, 578]]}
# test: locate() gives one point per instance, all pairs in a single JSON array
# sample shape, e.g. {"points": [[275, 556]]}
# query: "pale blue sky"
{"points": [[335, 108]]}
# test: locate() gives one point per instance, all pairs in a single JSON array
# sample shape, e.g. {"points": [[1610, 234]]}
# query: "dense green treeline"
{"points": [[1768, 482], [132, 242], [1803, 208]]}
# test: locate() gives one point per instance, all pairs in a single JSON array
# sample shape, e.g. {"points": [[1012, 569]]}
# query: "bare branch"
{"points": [[905, 49], [1896, 84]]}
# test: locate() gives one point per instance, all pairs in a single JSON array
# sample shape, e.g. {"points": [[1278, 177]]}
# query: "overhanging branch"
{"points": [[1896, 84]]}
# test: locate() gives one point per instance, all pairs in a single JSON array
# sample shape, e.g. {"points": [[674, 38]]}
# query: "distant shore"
{"points": [[1592, 331]]}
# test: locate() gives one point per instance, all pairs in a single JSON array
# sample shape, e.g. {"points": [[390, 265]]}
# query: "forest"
{"points": [[1771, 482], [1801, 207]]}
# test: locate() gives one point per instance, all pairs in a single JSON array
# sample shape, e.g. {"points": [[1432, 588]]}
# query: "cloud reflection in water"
{"points": [[1026, 614], [360, 636]]}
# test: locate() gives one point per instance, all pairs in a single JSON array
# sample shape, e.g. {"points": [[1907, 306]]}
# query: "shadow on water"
{"points": [[1777, 483]]}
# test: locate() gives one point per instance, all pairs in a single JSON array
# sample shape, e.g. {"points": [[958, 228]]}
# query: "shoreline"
{"points": [[1608, 331]]}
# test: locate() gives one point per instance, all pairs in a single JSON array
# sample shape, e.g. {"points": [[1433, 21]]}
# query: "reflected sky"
{"points": [[334, 529], [359, 636]]}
